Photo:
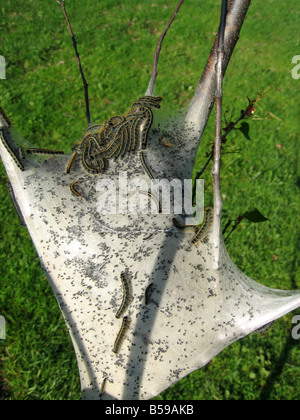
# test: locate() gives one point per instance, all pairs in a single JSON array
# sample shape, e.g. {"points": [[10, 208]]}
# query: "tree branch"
{"points": [[203, 100], [150, 88], [218, 130], [85, 85]]}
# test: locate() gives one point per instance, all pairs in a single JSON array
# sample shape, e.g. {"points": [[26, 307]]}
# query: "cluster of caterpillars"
{"points": [[116, 138], [126, 320], [123, 307]]}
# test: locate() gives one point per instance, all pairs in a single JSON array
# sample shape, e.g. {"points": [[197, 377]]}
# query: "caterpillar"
{"points": [[165, 143], [199, 232], [146, 119], [121, 334], [148, 237], [102, 387], [16, 205], [208, 213], [93, 129], [73, 190], [116, 137], [5, 118], [18, 153], [91, 164], [148, 292], [146, 169], [37, 151], [179, 226], [70, 162], [126, 295], [264, 328], [14, 152]]}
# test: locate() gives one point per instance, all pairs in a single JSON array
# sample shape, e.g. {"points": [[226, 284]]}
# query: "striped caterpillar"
{"points": [[16, 205], [17, 153], [166, 143], [121, 334], [116, 137], [144, 165], [208, 218], [102, 387], [36, 151], [179, 226], [200, 232], [126, 295], [148, 292], [73, 189]]}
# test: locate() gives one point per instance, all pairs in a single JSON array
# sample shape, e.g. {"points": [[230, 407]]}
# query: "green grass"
{"points": [[44, 97]]}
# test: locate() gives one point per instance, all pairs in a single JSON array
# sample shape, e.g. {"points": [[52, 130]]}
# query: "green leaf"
{"points": [[244, 128], [254, 216]]}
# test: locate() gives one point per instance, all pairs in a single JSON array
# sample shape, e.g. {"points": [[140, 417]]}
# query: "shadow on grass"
{"points": [[266, 392], [290, 341]]}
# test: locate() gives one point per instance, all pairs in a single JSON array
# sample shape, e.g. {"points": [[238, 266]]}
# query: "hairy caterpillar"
{"points": [[126, 295], [201, 231], [73, 189], [37, 151], [179, 226], [121, 334], [102, 387], [15, 152], [148, 292], [144, 165], [16, 205], [165, 143], [115, 138], [204, 227]]}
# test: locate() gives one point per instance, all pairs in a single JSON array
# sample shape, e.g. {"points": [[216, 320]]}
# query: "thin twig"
{"points": [[226, 227], [85, 85], [228, 129], [218, 131], [150, 88], [247, 113], [232, 230]]}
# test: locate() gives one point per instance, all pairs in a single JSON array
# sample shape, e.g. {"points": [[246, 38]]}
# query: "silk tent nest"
{"points": [[144, 305]]}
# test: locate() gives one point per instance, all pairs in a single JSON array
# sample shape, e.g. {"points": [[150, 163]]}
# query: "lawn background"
{"points": [[43, 96]]}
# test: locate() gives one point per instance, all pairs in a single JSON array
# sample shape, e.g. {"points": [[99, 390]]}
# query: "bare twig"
{"points": [[236, 223], [218, 130], [228, 129], [247, 113], [157, 52], [85, 85]]}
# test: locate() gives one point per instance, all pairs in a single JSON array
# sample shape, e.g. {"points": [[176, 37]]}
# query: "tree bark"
{"points": [[201, 105]]}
